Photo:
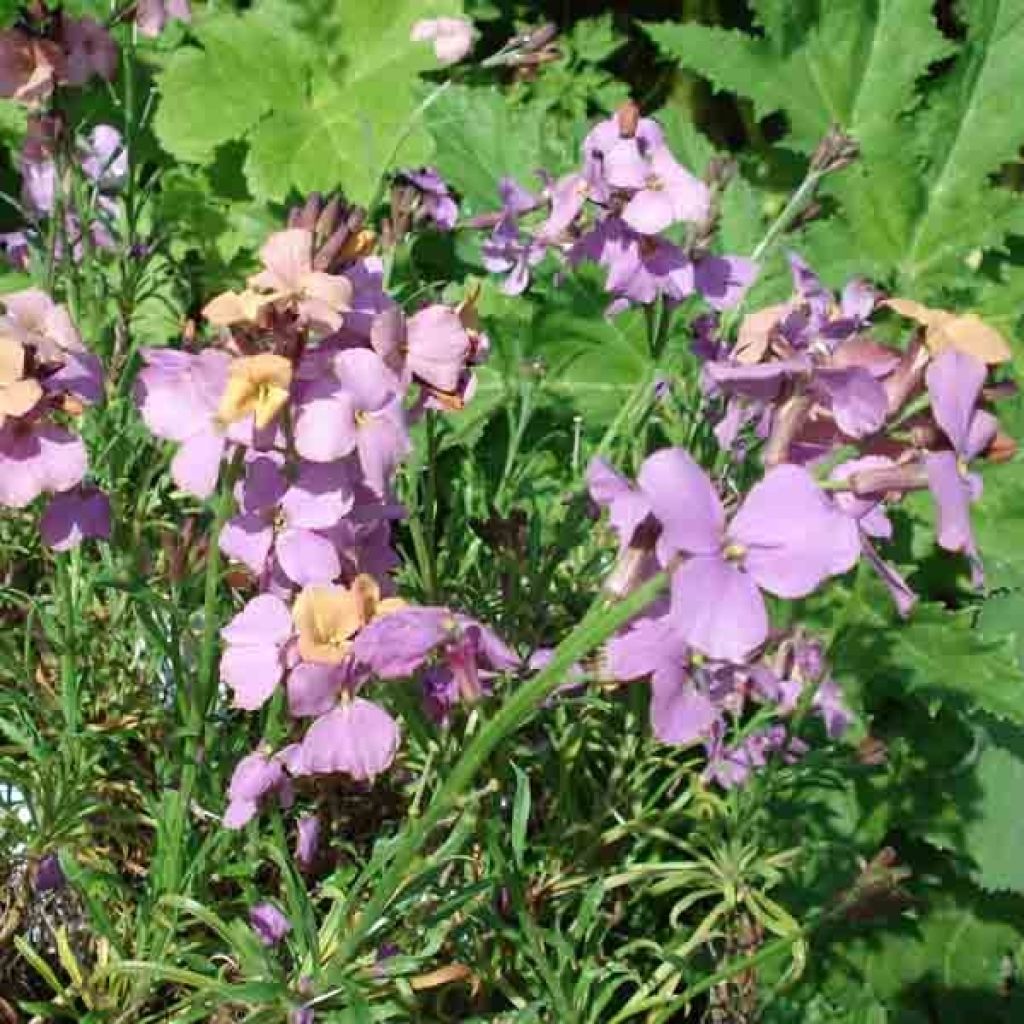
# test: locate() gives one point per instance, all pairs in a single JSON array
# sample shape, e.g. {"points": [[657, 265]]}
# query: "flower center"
{"points": [[734, 552], [653, 183]]}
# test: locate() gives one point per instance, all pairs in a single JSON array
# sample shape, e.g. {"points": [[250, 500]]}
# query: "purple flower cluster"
{"points": [[822, 392], [102, 163], [847, 427], [308, 397], [615, 212], [47, 377]]}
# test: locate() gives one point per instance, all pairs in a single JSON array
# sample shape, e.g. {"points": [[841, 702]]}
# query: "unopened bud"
{"points": [[628, 117], [788, 422], [539, 37], [897, 479], [836, 150]]}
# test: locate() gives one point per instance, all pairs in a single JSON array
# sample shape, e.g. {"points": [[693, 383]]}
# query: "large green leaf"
{"points": [[322, 102], [920, 200], [480, 137]]}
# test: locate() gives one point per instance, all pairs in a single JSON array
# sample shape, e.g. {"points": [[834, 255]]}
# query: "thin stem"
{"points": [[68, 664]]}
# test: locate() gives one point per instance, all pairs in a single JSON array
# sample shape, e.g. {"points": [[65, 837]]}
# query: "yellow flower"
{"points": [[17, 394], [328, 617], [258, 385]]}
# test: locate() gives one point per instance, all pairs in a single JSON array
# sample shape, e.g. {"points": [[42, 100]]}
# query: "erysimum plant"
{"points": [[351, 672]]}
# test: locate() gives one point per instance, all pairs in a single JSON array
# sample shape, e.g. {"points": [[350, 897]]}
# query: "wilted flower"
{"points": [[29, 67]]}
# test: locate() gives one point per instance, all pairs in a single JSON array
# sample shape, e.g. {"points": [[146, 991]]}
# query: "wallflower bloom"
{"points": [[358, 738], [18, 394], [257, 385], [358, 410], [256, 777], [431, 346], [288, 280], [178, 395], [682, 710], [74, 516], [460, 651], [89, 49], [152, 16], [37, 457], [256, 640], [452, 37], [664, 192], [786, 538], [269, 923], [954, 383], [285, 519]]}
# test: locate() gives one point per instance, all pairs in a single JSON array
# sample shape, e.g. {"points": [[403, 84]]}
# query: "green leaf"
{"points": [[936, 653], [990, 801], [919, 200], [321, 104], [592, 361], [480, 137]]}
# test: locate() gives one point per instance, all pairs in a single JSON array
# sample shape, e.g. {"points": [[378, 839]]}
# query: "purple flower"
{"points": [[568, 195], [358, 738], [397, 644], [256, 777], [89, 49], [786, 538], [732, 766], [49, 875], [431, 346], [152, 16], [104, 157], [286, 520], [178, 395], [307, 842], [356, 409], [954, 382], [873, 523], [437, 206], [37, 457], [75, 515], [269, 923], [512, 251], [682, 710], [664, 192], [253, 661]]}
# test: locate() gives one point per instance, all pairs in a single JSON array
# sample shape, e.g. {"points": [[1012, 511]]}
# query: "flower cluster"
{"points": [[845, 426], [307, 399], [51, 49], [102, 164], [621, 210], [47, 377]]}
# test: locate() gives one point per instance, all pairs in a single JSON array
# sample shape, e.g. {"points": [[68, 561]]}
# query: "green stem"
{"points": [[597, 626], [68, 665], [515, 440]]}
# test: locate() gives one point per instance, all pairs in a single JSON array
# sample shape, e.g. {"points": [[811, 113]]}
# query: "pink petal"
{"points": [[684, 501], [358, 738], [196, 466], [718, 609], [313, 689], [306, 557], [794, 536], [325, 429]]}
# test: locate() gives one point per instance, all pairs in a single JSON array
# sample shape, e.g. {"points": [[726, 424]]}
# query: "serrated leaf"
{"points": [[480, 137], [323, 104], [992, 823]]}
